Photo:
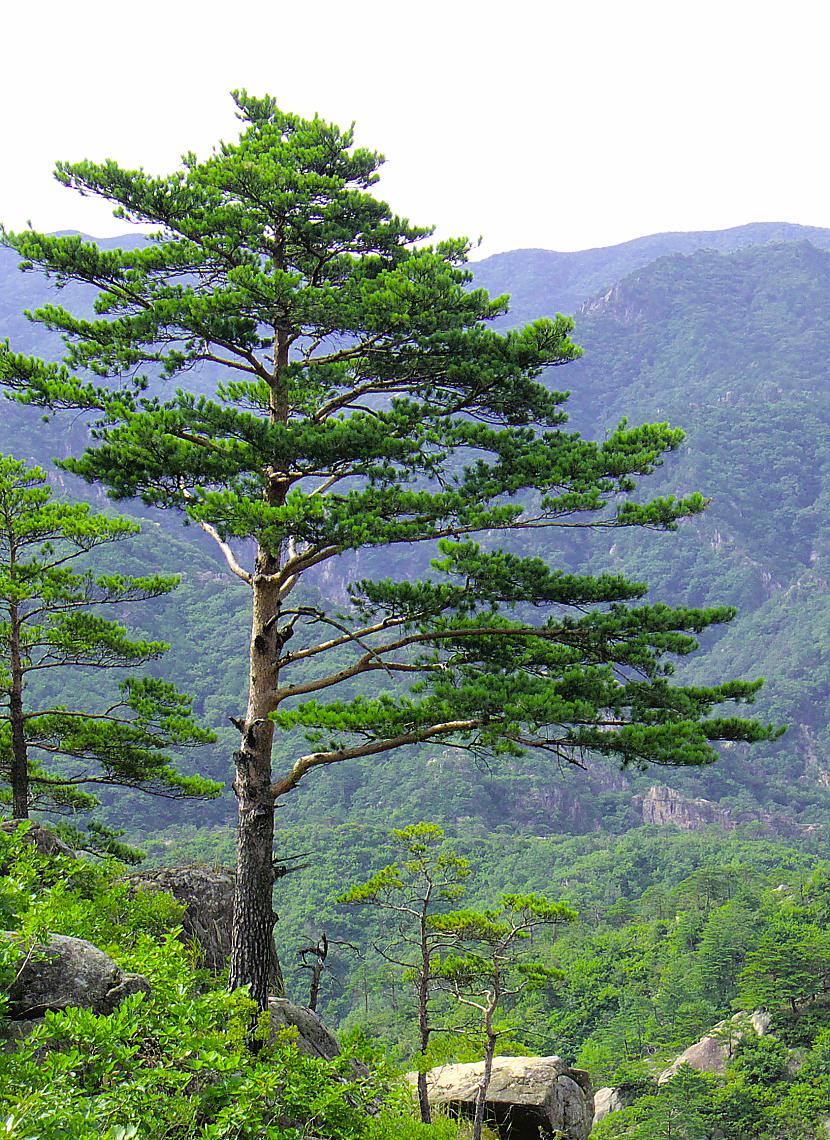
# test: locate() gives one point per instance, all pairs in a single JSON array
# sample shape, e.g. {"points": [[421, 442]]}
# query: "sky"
{"points": [[529, 123]]}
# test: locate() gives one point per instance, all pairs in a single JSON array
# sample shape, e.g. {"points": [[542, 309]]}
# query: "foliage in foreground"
{"points": [[175, 1063]]}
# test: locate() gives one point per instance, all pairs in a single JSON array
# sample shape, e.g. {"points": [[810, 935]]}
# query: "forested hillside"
{"points": [[730, 342], [687, 881]]}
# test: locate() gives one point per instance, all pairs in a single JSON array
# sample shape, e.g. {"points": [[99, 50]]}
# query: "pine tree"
{"points": [[427, 876], [51, 619], [790, 964], [352, 395], [492, 964]]}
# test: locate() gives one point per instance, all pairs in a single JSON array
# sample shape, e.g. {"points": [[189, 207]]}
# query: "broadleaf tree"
{"points": [[349, 393], [53, 607]]}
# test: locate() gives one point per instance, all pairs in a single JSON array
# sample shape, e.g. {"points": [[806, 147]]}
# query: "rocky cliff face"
{"points": [[207, 896], [713, 1052], [662, 806]]}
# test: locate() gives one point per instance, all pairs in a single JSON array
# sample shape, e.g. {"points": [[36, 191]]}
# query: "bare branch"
{"points": [[370, 748]]}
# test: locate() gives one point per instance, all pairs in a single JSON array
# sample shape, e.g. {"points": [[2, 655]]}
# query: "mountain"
{"points": [[726, 334], [541, 282]]}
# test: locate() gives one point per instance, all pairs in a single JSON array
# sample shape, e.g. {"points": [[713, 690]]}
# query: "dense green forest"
{"points": [[679, 928]]}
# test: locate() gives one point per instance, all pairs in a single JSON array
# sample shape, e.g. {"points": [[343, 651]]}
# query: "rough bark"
{"points": [[252, 948], [423, 1009], [481, 1100], [253, 953]]}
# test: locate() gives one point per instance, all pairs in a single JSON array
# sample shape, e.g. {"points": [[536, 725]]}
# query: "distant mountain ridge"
{"points": [[542, 282]]}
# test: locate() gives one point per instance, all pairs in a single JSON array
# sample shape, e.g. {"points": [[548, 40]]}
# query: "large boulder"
{"points": [[313, 1037], [68, 972], [206, 893], [207, 897], [713, 1052], [528, 1097], [606, 1101]]}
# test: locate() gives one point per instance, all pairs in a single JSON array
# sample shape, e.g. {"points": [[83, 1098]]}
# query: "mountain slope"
{"points": [[732, 345], [542, 282]]}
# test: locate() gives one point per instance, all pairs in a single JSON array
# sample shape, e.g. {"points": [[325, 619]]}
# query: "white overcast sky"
{"points": [[552, 124]]}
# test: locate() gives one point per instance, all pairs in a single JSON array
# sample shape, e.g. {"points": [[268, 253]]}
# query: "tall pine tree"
{"points": [[352, 395]]}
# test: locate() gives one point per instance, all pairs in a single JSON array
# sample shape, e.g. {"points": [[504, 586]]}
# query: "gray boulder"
{"points": [[606, 1101], [46, 841], [528, 1097], [713, 1052], [69, 972], [207, 896], [206, 893], [314, 1039]]}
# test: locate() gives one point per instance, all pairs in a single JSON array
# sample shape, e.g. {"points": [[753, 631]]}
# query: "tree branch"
{"points": [[370, 748]]}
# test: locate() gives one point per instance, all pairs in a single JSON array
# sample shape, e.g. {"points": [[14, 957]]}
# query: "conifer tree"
{"points": [[51, 620], [352, 395], [491, 964], [427, 876]]}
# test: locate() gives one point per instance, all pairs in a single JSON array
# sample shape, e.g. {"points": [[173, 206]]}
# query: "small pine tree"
{"points": [[491, 965], [428, 874], [790, 964], [51, 619]]}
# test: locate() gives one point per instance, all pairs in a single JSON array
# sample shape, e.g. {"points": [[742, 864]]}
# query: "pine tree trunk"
{"points": [[423, 1014], [423, 1099], [481, 1100], [253, 957], [19, 772], [253, 954]]}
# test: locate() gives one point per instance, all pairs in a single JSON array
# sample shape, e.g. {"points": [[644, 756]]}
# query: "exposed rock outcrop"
{"points": [[815, 765], [528, 1097], [314, 1039], [46, 841], [69, 972], [712, 1053], [662, 806], [207, 896], [607, 1101]]}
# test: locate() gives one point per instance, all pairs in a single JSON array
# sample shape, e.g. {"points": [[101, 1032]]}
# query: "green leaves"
{"points": [[169, 1063], [353, 402]]}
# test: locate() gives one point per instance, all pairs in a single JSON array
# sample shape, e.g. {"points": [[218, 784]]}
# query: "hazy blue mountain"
{"points": [[542, 282]]}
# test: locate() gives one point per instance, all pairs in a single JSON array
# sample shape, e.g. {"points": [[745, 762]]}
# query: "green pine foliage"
{"points": [[676, 931], [53, 624], [653, 349], [364, 401]]}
